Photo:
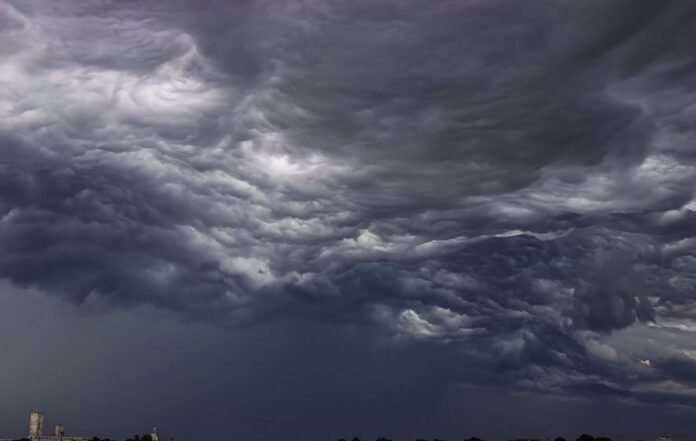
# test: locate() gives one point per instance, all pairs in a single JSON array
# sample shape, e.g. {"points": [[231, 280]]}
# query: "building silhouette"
{"points": [[36, 426]]}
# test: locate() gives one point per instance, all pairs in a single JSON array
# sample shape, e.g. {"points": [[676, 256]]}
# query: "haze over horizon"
{"points": [[319, 219]]}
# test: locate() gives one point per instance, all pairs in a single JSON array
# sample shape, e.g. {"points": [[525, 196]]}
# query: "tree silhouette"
{"points": [[143, 437], [586, 437]]}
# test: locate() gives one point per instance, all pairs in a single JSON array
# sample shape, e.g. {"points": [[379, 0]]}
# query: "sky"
{"points": [[316, 219]]}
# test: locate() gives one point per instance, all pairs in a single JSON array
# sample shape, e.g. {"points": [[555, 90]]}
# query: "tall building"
{"points": [[36, 425]]}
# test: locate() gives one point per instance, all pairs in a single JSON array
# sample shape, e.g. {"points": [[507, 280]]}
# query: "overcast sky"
{"points": [[313, 219]]}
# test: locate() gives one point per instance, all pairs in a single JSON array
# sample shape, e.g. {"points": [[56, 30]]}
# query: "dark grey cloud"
{"points": [[509, 184]]}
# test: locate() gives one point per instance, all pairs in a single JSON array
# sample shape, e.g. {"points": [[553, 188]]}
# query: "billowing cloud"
{"points": [[513, 181]]}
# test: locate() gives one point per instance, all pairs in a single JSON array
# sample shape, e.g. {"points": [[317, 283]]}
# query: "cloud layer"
{"points": [[510, 181]]}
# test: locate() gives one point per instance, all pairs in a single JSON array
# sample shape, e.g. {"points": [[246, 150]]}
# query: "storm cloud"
{"points": [[509, 184]]}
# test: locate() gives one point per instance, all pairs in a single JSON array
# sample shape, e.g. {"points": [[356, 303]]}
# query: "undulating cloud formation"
{"points": [[511, 182]]}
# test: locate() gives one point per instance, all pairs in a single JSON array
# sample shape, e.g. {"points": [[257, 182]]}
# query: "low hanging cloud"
{"points": [[512, 180]]}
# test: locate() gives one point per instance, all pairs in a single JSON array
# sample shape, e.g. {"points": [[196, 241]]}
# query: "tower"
{"points": [[59, 431], [36, 424]]}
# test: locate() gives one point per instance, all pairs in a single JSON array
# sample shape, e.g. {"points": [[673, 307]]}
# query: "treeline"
{"points": [[143, 437], [136, 437], [583, 437]]}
